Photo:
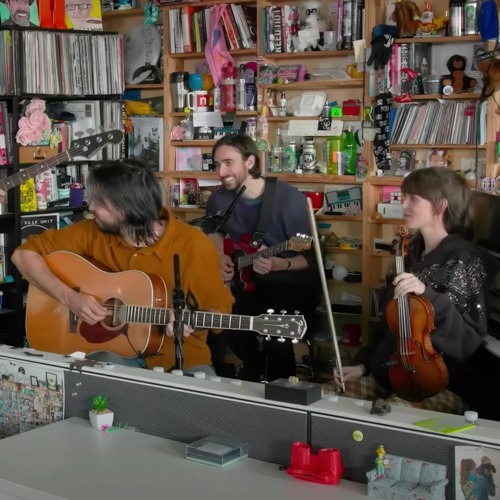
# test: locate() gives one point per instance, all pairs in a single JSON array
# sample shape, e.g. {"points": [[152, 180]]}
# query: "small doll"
{"points": [[457, 79]]}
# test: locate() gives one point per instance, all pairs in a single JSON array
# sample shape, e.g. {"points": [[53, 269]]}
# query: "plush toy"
{"points": [[407, 17], [457, 77]]}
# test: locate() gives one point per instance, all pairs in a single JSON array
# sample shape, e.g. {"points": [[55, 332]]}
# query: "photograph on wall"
{"points": [[30, 396], [145, 141], [477, 472], [19, 13]]}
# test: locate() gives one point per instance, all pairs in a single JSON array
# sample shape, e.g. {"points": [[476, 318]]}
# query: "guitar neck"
{"points": [[30, 172], [247, 260], [197, 319]]}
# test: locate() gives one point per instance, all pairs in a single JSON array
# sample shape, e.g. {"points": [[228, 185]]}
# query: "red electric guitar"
{"points": [[243, 255]]}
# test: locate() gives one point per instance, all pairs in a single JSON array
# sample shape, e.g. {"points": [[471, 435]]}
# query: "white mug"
{"points": [[198, 100]]}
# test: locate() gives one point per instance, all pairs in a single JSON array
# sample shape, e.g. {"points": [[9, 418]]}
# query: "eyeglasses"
{"points": [[81, 6]]}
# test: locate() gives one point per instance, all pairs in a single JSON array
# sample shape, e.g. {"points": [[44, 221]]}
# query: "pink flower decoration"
{"points": [[24, 122], [25, 136], [35, 105], [105, 428]]}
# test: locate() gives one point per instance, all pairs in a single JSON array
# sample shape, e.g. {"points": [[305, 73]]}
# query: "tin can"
{"points": [[309, 158], [292, 158], [217, 98]]}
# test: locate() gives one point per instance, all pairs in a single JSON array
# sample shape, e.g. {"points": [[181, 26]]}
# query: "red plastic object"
{"points": [[325, 467], [351, 107]]}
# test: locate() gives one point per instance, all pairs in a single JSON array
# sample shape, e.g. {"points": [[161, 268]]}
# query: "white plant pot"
{"points": [[100, 420]]}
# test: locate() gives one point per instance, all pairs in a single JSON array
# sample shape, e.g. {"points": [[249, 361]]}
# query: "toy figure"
{"points": [[407, 16], [380, 461], [457, 78], [426, 23]]}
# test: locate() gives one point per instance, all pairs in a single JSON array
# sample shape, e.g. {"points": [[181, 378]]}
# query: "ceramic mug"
{"points": [[198, 100]]}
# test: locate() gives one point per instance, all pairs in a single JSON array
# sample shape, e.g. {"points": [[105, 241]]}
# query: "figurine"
{"points": [[457, 79], [380, 462], [380, 407], [407, 15]]}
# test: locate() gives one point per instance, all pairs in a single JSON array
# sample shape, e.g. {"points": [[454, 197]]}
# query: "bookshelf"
{"points": [[81, 69], [371, 262]]}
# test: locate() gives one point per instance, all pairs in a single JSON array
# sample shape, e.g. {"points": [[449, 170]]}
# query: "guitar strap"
{"points": [[265, 212]]}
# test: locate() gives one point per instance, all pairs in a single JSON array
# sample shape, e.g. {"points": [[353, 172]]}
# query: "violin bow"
{"points": [[324, 286]]}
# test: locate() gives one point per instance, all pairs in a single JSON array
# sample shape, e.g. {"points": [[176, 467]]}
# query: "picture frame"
{"points": [[34, 380], [51, 379]]}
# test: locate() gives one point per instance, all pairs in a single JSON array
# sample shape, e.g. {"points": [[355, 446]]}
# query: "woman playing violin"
{"points": [[445, 267]]}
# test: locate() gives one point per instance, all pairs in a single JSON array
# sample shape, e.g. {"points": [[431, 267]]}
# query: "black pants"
{"points": [[264, 360]]}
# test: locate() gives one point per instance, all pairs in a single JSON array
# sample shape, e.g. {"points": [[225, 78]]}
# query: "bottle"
{"points": [[250, 93], [309, 158], [217, 99], [277, 152], [349, 151], [240, 89], [456, 19], [228, 88], [282, 106], [325, 122], [334, 164]]}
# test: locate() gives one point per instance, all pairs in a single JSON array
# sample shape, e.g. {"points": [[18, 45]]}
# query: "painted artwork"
{"points": [[476, 476], [83, 15], [19, 12]]}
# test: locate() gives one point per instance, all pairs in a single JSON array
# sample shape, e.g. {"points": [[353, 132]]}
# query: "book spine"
{"points": [[3, 151], [340, 22]]}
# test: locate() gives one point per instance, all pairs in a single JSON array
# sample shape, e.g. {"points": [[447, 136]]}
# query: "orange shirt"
{"points": [[199, 271]]}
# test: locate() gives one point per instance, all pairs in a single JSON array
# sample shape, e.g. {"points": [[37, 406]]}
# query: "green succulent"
{"points": [[100, 403]]}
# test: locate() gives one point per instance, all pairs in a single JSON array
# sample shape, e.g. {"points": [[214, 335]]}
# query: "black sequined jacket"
{"points": [[457, 274]]}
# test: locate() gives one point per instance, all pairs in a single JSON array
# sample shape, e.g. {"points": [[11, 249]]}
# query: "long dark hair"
{"points": [[245, 145], [436, 184], [132, 189]]}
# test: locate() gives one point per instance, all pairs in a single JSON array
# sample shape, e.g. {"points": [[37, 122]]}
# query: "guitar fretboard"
{"points": [[198, 319], [246, 260]]}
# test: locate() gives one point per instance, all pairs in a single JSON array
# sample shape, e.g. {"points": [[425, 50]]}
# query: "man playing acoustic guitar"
{"points": [[288, 281], [130, 231]]}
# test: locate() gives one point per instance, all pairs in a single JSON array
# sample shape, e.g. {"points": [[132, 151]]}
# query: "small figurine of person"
{"points": [[380, 461]]}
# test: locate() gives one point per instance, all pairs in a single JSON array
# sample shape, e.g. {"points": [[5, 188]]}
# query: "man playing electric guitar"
{"points": [[288, 281], [131, 231]]}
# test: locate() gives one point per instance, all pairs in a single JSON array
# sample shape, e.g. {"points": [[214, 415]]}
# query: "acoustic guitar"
{"points": [[137, 307], [86, 146], [243, 255]]}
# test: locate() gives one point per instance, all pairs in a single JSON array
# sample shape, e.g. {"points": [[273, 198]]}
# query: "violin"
{"points": [[416, 370]]}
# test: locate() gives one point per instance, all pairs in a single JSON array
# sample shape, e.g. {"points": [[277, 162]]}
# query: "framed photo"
{"points": [[145, 141], [51, 379], [34, 380]]}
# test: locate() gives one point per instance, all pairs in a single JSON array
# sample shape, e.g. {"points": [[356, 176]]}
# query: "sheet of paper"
{"points": [[303, 128], [207, 119]]}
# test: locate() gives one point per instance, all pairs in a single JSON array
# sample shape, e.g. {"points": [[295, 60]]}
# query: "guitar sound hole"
{"points": [[116, 312]]}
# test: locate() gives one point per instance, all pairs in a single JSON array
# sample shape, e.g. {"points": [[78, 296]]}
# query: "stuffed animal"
{"points": [[407, 17], [457, 77]]}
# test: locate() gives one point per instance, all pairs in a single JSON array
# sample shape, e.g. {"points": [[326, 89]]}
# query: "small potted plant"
{"points": [[101, 417]]}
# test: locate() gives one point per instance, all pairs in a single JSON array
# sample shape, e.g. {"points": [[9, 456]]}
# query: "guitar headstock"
{"points": [[89, 146], [280, 325], [299, 243]]}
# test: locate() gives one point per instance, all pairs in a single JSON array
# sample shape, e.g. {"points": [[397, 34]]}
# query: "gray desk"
{"points": [[69, 460]]}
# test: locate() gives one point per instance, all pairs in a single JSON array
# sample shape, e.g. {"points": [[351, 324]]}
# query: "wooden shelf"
{"points": [[122, 13], [440, 39], [194, 174], [315, 54], [345, 218], [314, 178], [386, 220], [288, 118], [333, 249], [201, 55], [453, 97], [145, 86], [398, 147], [315, 85], [385, 180]]}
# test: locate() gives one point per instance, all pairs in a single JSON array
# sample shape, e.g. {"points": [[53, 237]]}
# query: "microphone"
{"points": [[179, 302]]}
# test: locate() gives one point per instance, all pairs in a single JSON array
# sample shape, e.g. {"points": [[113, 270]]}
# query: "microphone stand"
{"points": [[179, 302], [221, 216]]}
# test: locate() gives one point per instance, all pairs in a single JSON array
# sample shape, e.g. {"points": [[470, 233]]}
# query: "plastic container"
{"points": [[432, 84], [349, 150], [228, 88], [335, 154], [218, 451]]}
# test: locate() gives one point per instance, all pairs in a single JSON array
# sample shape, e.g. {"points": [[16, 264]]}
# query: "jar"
{"points": [[309, 158]]}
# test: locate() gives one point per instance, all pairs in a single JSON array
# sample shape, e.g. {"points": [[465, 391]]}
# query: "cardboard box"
{"points": [[35, 154], [391, 210]]}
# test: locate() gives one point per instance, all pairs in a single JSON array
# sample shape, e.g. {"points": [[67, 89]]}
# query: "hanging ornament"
{"points": [[151, 12]]}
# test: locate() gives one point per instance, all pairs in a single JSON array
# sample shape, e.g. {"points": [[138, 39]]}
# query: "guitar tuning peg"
{"points": [[281, 340], [270, 311], [295, 341], [296, 312], [268, 338], [282, 311]]}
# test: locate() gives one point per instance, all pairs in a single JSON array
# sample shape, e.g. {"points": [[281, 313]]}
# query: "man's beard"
{"points": [[23, 20], [113, 228]]}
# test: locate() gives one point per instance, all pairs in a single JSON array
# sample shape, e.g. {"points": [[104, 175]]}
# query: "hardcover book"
{"points": [[188, 192], [145, 141]]}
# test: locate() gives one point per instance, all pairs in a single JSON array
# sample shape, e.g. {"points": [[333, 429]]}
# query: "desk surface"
{"points": [[70, 460]]}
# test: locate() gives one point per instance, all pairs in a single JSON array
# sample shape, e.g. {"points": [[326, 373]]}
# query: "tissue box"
{"points": [[301, 392]]}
